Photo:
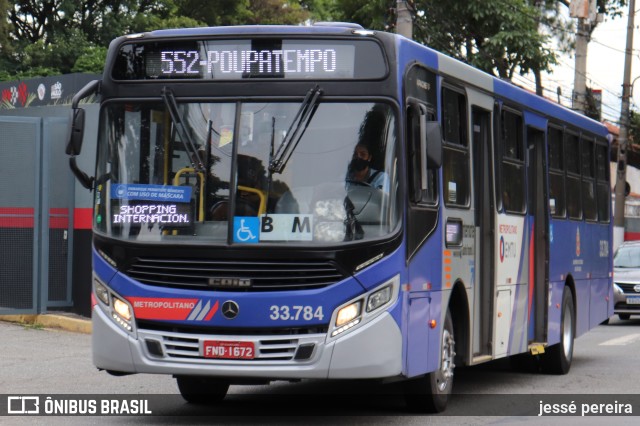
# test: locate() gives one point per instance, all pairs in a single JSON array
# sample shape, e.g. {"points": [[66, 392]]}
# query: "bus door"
{"points": [[484, 223], [539, 247]]}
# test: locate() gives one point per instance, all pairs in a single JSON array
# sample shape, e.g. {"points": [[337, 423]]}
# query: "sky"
{"points": [[605, 67]]}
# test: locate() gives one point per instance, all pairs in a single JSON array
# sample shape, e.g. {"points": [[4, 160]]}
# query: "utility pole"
{"points": [[404, 23], [621, 182], [580, 75], [584, 10]]}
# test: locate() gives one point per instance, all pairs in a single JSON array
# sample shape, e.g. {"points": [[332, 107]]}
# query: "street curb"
{"points": [[62, 322]]}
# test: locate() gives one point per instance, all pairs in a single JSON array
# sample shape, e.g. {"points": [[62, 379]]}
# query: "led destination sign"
{"points": [[258, 58], [309, 62]]}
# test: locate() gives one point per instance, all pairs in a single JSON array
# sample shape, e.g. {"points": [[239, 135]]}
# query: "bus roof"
{"points": [[322, 28]]}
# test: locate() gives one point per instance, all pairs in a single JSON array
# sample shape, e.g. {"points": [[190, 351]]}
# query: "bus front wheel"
{"points": [[202, 390], [431, 393], [557, 358]]}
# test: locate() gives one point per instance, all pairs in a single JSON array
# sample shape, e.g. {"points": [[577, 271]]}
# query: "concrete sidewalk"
{"points": [[61, 320]]}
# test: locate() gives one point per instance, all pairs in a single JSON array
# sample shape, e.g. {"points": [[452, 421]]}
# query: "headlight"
{"points": [[379, 298], [365, 308], [122, 313], [122, 309], [113, 305], [101, 292], [348, 313], [617, 289]]}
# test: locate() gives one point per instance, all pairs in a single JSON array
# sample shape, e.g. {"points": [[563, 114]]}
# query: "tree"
{"points": [[502, 37], [61, 36]]}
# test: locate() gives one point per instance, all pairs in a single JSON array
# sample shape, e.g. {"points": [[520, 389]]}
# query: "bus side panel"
{"points": [[598, 267], [599, 309], [418, 334], [512, 272], [425, 303], [567, 264]]}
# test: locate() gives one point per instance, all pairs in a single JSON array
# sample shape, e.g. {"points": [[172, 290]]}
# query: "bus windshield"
{"points": [[200, 171]]}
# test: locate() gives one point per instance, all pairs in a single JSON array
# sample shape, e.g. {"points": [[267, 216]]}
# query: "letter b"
{"points": [[267, 224]]}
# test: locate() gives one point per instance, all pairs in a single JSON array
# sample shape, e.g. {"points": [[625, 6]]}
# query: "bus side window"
{"points": [[588, 180], [512, 180], [557, 204], [603, 187], [455, 172], [572, 156]]}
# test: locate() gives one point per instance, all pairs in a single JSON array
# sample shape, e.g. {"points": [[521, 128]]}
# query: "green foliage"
{"points": [[44, 37], [41, 37], [91, 61], [634, 130]]}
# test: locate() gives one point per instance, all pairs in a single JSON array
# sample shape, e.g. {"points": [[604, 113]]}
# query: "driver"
{"points": [[360, 169]]}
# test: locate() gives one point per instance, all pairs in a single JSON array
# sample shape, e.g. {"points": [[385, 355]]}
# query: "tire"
{"points": [[557, 358], [430, 393], [624, 316], [202, 390]]}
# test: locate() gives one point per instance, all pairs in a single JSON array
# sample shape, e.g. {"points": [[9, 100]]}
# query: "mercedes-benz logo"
{"points": [[636, 288], [230, 309]]}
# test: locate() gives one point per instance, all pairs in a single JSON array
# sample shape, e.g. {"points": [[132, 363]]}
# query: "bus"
{"points": [[330, 202]]}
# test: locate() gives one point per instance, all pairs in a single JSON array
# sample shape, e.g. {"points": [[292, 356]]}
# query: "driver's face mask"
{"points": [[358, 164]]}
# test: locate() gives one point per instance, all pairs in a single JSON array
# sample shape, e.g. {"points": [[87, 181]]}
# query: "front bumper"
{"points": [[623, 294], [371, 351]]}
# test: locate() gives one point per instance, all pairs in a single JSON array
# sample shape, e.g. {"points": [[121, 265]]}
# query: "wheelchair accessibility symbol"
{"points": [[246, 229]]}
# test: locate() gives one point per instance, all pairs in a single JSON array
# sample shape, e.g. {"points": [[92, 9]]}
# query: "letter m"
{"points": [[305, 226]]}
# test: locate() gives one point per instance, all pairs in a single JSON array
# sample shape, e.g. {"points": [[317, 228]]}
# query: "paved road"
{"points": [[51, 362]]}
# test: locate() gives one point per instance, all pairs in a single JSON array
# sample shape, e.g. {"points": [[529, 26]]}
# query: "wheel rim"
{"points": [[445, 374], [567, 332]]}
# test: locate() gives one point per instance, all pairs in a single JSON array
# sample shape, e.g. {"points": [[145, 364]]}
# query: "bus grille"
{"points": [[180, 347], [234, 275], [628, 288]]}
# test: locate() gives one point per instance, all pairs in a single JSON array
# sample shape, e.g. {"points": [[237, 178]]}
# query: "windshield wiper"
{"points": [[185, 137], [296, 130]]}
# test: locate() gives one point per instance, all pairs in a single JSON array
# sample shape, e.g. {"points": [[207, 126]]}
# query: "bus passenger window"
{"points": [[588, 180], [602, 186], [557, 205], [455, 172], [572, 155], [513, 170]]}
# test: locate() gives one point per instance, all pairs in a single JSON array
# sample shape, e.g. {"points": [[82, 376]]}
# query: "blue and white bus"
{"points": [[329, 202]]}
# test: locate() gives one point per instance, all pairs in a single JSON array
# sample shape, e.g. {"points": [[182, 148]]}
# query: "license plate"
{"points": [[633, 300], [228, 349]]}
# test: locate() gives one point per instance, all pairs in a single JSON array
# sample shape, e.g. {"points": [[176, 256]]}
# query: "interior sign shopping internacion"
{"points": [[151, 204]]}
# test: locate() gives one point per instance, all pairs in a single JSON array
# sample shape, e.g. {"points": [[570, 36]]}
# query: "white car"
{"points": [[626, 280]]}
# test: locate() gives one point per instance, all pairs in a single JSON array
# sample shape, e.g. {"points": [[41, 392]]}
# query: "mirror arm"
{"points": [[91, 88], [84, 179]]}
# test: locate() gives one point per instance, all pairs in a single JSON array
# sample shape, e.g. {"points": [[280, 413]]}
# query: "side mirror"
{"points": [[76, 122], [76, 132]]}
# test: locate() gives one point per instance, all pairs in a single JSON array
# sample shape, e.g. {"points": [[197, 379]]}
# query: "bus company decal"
{"points": [[510, 243], [173, 308], [508, 248]]}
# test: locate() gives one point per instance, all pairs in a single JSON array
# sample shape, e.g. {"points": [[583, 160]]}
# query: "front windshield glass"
{"points": [[207, 172], [627, 257]]}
